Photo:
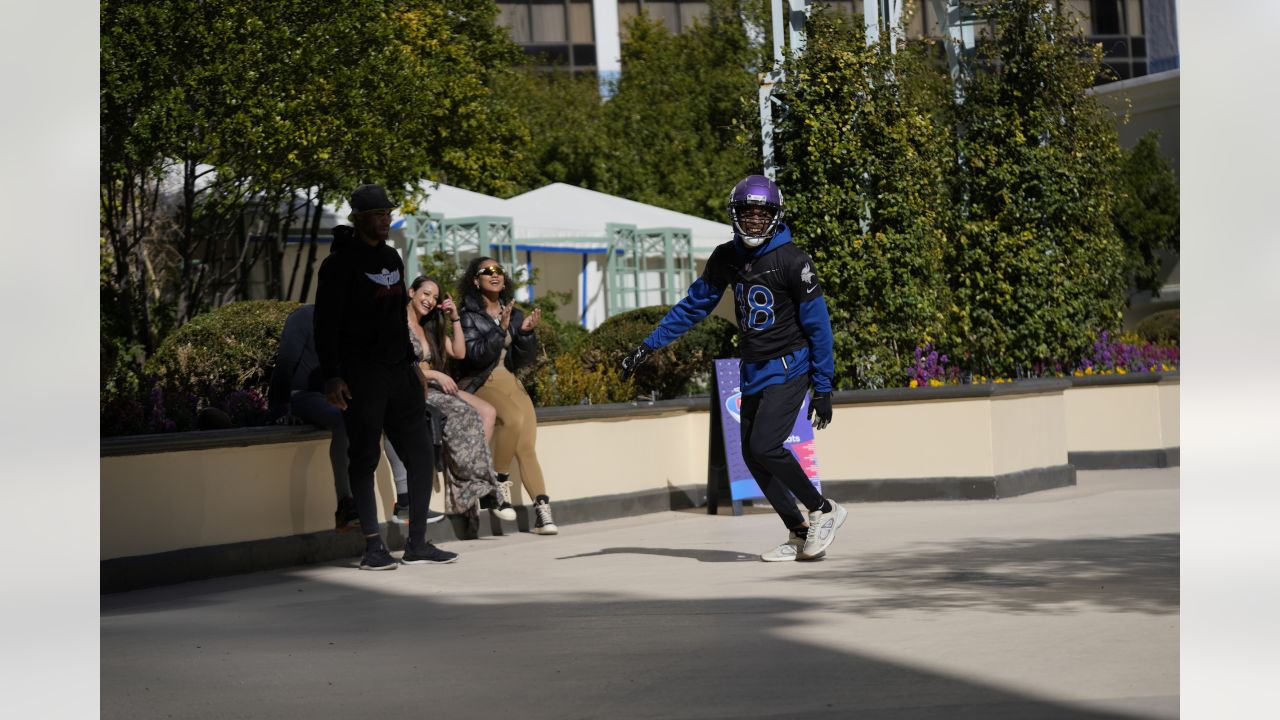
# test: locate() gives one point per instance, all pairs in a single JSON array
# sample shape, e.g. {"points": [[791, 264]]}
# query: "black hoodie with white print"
{"points": [[360, 306]]}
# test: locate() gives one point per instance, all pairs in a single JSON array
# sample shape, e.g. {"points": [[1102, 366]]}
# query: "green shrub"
{"points": [[864, 162], [226, 350], [1036, 265], [556, 337], [683, 367], [569, 380], [1161, 328]]}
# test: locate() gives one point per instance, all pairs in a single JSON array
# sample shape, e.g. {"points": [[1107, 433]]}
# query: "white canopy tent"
{"points": [[563, 232]]}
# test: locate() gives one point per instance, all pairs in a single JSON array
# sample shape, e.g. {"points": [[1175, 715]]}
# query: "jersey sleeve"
{"points": [[703, 296], [802, 279], [811, 312]]}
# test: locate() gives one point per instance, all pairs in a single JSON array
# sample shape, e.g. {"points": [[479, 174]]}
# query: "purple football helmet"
{"points": [[756, 191]]}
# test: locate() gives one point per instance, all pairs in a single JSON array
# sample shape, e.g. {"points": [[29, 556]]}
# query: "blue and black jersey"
{"points": [[781, 313]]}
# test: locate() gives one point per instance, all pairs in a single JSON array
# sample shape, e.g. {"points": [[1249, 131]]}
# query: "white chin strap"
{"points": [[753, 241]]}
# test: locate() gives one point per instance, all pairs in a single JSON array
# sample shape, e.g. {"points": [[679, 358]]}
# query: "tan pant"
{"points": [[516, 431]]}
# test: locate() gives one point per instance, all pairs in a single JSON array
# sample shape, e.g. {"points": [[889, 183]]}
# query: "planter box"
{"points": [[185, 506]]}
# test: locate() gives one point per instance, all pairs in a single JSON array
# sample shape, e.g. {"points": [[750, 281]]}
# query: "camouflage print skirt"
{"points": [[468, 463]]}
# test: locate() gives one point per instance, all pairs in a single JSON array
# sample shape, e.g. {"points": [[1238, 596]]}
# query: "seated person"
{"points": [[499, 340], [469, 466]]}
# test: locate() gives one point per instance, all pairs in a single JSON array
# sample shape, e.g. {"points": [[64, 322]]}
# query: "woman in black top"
{"points": [[500, 340]]}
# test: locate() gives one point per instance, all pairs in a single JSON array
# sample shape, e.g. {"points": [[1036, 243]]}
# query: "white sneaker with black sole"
{"points": [[504, 510], [822, 530], [788, 551]]}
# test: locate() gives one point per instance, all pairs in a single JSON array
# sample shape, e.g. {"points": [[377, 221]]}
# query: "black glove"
{"points": [[633, 360], [820, 406]]}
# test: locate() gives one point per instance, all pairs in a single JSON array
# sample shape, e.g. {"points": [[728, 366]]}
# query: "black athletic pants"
{"points": [[388, 399], [767, 419]]}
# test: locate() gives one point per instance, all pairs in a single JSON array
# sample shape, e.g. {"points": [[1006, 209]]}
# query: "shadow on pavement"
{"points": [[1125, 574], [699, 555], [395, 647]]}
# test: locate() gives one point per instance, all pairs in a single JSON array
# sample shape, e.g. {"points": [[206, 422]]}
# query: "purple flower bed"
{"points": [[152, 407], [1113, 356], [930, 369], [1107, 356]]}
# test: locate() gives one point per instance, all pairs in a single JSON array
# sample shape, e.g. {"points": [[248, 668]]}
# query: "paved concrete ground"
{"points": [[1061, 604]]}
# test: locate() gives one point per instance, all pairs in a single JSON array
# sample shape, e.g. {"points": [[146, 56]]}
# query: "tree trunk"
{"points": [[311, 247], [297, 258]]}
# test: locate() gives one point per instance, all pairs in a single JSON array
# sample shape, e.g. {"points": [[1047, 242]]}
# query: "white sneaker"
{"points": [[505, 511], [822, 530], [788, 551]]}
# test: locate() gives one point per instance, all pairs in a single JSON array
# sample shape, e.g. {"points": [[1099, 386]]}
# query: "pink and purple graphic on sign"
{"points": [[741, 483]]}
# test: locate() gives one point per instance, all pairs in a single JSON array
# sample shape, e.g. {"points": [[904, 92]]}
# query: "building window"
{"points": [[559, 33], [1108, 17], [549, 21]]}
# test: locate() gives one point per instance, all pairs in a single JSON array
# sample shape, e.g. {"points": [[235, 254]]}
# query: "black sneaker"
{"points": [[415, 554], [543, 525], [376, 557], [346, 518]]}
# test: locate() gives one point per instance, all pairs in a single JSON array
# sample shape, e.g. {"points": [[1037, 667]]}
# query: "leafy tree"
{"points": [[1036, 266], [863, 160], [223, 119], [1146, 213], [572, 152], [674, 139]]}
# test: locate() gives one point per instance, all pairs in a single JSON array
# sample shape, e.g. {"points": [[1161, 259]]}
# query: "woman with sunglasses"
{"points": [[500, 340], [468, 419]]}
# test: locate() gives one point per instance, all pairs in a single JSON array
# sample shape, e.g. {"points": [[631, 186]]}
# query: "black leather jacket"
{"points": [[484, 344]]}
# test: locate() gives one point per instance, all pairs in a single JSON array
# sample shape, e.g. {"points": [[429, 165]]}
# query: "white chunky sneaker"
{"points": [[822, 530], [505, 511], [787, 551]]}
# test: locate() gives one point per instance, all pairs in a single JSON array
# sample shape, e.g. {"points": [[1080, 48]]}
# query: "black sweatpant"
{"points": [[388, 399], [767, 419]]}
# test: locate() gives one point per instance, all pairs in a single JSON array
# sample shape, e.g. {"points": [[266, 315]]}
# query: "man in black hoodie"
{"points": [[362, 338]]}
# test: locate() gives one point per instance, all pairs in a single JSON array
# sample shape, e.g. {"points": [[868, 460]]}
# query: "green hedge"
{"points": [[1162, 328], [228, 349], [682, 368]]}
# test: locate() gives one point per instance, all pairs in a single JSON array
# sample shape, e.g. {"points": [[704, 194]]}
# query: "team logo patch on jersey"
{"points": [[808, 277], [386, 278]]}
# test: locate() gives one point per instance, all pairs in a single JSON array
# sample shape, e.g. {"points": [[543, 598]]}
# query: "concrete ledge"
{"points": [[1143, 378], [1125, 459], [250, 436], [951, 488], [950, 392], [210, 561], [208, 439]]}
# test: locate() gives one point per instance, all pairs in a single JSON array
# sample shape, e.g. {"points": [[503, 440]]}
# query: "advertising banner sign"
{"points": [[742, 485]]}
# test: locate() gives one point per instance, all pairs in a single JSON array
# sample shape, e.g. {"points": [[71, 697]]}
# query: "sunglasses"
{"points": [[492, 270]]}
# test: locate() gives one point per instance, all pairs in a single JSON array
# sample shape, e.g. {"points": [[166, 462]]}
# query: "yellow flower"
{"points": [[1079, 373], [935, 382], [914, 383], [1122, 371]]}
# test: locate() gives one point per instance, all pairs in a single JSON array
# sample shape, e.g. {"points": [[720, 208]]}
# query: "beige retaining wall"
{"points": [[153, 500], [1123, 417]]}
